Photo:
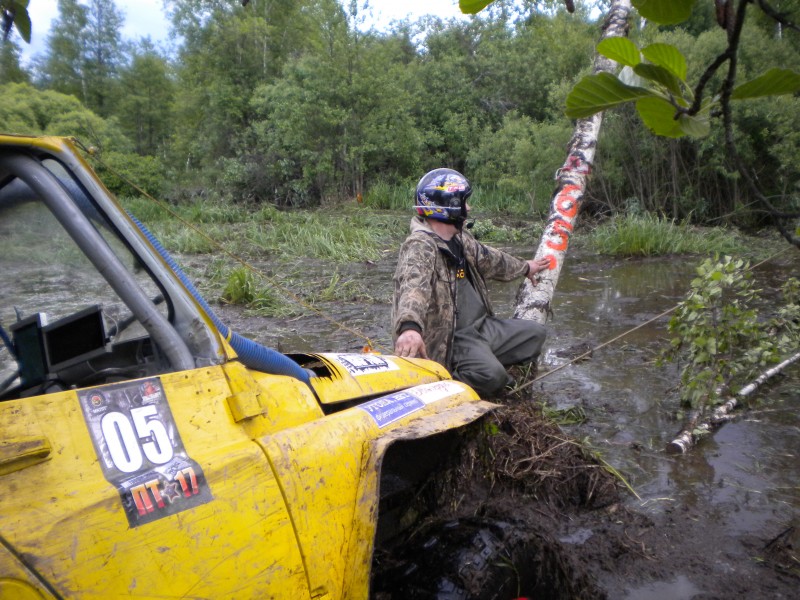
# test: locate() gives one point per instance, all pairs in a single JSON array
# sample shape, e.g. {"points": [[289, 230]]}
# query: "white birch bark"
{"points": [[533, 302], [696, 428]]}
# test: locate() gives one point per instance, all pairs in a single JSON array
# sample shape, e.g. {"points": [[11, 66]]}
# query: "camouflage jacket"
{"points": [[425, 284]]}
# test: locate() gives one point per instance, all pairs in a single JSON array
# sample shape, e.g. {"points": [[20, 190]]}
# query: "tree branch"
{"points": [[727, 119], [777, 16]]}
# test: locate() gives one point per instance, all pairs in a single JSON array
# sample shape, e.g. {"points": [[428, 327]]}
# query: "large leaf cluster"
{"points": [[15, 12], [720, 337], [654, 78]]}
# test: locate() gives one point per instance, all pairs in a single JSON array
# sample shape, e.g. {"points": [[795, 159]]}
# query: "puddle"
{"points": [[679, 589]]}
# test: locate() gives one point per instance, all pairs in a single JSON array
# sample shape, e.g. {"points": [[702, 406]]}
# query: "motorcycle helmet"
{"points": [[442, 195]]}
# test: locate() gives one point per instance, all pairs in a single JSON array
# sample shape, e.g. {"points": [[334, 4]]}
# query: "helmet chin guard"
{"points": [[442, 195]]}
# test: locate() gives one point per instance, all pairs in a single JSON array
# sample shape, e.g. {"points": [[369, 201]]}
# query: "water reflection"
{"points": [[746, 474]]}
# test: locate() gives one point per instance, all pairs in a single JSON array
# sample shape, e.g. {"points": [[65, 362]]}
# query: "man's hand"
{"points": [[410, 344], [536, 266]]}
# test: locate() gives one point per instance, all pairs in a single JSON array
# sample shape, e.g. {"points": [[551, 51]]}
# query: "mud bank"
{"points": [[574, 530]]}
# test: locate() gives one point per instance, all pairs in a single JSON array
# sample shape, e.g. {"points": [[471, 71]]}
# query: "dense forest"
{"points": [[294, 103]]}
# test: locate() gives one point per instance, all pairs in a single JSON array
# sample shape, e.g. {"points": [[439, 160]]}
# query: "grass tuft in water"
{"points": [[647, 235], [242, 288]]}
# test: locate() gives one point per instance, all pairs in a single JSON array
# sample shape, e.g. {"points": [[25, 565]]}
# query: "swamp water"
{"points": [[745, 475], [743, 480]]}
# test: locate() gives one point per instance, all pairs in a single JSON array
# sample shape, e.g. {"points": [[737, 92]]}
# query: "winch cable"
{"points": [[288, 293], [588, 353]]}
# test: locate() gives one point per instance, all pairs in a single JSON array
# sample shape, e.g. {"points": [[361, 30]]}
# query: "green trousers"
{"points": [[483, 350]]}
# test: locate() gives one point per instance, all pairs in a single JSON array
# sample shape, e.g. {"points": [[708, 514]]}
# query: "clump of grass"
{"points": [[648, 235], [176, 237], [242, 289], [345, 235], [209, 211], [386, 196], [496, 200], [574, 415], [318, 235], [144, 209], [199, 210], [343, 289]]}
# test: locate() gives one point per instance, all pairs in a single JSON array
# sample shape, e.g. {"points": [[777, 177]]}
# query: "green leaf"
{"points": [[667, 56], [595, 93], [696, 126], [471, 7], [772, 83], [629, 77], [659, 117], [621, 50], [665, 12], [661, 76], [22, 22]]}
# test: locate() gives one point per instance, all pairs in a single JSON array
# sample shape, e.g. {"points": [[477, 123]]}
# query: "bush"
{"points": [[124, 172], [719, 336]]}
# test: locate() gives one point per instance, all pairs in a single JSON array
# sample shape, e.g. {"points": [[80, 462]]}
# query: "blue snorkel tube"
{"points": [[251, 354]]}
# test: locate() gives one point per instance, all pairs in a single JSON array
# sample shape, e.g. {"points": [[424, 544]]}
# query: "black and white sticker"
{"points": [[363, 364], [141, 452]]}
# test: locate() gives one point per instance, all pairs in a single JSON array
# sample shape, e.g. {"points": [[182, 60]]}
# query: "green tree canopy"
{"points": [[11, 71], [28, 111], [146, 96], [84, 52]]}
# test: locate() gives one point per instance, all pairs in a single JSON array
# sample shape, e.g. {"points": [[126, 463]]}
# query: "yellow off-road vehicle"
{"points": [[146, 450]]}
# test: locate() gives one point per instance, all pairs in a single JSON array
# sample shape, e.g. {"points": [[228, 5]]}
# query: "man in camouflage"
{"points": [[441, 303]]}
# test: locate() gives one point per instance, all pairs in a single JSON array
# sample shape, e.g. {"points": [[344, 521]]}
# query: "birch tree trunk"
{"points": [[533, 302], [695, 427]]}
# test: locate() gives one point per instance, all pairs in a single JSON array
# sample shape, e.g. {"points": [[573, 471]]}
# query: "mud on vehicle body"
{"points": [[147, 450]]}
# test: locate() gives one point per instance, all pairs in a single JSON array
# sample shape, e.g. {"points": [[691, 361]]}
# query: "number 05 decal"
{"points": [[125, 443], [141, 452]]}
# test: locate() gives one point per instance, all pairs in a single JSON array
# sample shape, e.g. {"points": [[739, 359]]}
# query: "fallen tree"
{"points": [[723, 342], [698, 426]]}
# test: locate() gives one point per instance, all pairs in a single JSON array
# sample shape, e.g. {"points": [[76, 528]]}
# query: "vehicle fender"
{"points": [[329, 473]]}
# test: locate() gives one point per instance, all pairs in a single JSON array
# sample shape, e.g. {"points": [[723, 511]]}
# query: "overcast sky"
{"points": [[146, 17]]}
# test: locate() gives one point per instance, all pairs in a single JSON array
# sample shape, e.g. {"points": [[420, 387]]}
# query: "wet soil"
{"points": [[719, 522]]}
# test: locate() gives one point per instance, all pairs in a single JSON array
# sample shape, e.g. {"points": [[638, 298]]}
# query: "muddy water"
{"points": [[746, 475], [741, 482]]}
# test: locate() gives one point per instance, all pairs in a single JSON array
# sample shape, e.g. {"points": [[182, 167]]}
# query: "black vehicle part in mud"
{"points": [[475, 559]]}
